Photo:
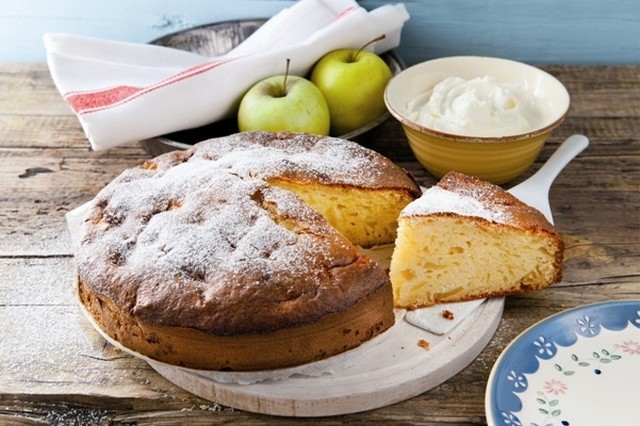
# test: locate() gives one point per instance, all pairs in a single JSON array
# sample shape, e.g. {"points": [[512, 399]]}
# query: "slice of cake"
{"points": [[466, 239]]}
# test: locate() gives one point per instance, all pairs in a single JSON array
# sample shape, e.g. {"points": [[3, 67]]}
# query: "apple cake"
{"points": [[240, 254], [467, 239]]}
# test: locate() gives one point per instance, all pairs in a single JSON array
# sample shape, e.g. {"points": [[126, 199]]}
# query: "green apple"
{"points": [[284, 103], [353, 82]]}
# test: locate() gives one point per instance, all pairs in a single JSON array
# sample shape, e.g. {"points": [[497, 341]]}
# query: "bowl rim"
{"points": [[477, 139]]}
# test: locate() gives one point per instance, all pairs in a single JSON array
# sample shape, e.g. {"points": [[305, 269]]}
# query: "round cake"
{"points": [[208, 259]]}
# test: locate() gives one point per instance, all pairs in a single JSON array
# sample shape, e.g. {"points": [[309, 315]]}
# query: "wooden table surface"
{"points": [[54, 369]]}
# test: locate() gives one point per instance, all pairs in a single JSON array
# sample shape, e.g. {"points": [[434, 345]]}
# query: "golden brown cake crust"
{"points": [[249, 352], [298, 157], [513, 211], [199, 240]]}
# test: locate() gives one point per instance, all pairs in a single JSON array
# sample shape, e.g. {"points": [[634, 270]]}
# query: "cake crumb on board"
{"points": [[423, 344]]}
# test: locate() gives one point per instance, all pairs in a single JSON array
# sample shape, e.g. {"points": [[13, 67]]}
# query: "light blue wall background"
{"points": [[534, 31]]}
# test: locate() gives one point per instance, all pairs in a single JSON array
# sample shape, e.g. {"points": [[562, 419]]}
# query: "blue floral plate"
{"points": [[578, 367]]}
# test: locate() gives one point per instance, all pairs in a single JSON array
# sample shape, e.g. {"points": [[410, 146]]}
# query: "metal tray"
{"points": [[217, 39]]}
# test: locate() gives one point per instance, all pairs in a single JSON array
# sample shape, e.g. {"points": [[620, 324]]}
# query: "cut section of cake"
{"points": [[467, 239]]}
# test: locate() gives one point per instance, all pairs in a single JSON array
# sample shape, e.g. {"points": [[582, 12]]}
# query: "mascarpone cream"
{"points": [[480, 107]]}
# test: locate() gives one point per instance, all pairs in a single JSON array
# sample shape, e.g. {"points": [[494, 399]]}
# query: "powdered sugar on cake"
{"points": [[194, 227], [329, 160], [439, 200]]}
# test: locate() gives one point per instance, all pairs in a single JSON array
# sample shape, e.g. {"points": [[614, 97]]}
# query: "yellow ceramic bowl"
{"points": [[496, 159]]}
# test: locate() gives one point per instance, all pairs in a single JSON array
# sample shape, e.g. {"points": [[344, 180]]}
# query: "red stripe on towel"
{"points": [[87, 102], [100, 99], [346, 11]]}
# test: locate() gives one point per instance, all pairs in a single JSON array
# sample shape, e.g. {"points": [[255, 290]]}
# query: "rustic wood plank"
{"points": [[64, 342], [28, 91], [45, 184]]}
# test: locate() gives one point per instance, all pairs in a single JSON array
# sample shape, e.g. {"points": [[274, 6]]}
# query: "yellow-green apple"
{"points": [[353, 82], [284, 103]]}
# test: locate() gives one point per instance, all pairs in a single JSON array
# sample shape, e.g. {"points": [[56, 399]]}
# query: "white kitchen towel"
{"points": [[125, 92]]}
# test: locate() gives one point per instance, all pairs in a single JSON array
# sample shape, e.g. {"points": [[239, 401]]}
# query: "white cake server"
{"points": [[535, 190]]}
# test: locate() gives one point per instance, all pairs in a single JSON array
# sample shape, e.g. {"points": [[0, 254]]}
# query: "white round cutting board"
{"points": [[390, 368]]}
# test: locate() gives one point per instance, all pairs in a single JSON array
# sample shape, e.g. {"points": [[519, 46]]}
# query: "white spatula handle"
{"points": [[567, 151], [535, 190]]}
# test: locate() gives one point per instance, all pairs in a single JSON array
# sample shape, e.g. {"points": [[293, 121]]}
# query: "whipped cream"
{"points": [[480, 107]]}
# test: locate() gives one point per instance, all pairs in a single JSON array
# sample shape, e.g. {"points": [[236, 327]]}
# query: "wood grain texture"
{"points": [[56, 370], [536, 31]]}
